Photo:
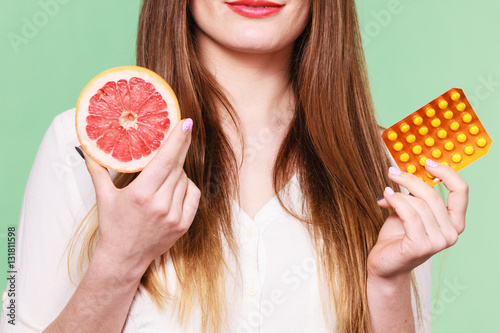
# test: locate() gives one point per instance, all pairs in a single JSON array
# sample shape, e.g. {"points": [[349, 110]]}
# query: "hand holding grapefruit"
{"points": [[154, 210], [124, 115]]}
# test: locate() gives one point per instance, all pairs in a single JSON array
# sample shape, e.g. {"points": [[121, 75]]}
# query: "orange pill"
{"points": [[443, 104], [411, 168], [392, 136], [404, 128], [435, 122], [467, 118], [481, 142], [461, 137], [448, 114], [474, 130], [410, 138], [423, 130]]}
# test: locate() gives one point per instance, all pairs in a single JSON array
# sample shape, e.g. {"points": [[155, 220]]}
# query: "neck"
{"points": [[256, 84]]}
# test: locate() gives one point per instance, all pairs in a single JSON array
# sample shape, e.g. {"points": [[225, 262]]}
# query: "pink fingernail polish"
{"points": [[394, 171], [389, 190], [431, 163], [187, 125]]}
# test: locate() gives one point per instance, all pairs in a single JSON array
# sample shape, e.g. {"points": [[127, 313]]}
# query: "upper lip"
{"points": [[254, 3]]}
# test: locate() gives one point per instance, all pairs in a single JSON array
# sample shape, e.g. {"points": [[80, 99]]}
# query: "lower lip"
{"points": [[253, 12]]}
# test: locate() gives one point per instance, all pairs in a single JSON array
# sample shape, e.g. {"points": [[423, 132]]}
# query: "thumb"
{"points": [[382, 202], [99, 174]]}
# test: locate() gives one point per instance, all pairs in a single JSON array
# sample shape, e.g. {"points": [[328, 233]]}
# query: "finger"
{"points": [[170, 157], [439, 239], [458, 198], [174, 197], [431, 197], [100, 175], [414, 228], [382, 202], [190, 204], [431, 226]]}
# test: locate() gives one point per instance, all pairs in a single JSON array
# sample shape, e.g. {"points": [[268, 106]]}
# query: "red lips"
{"points": [[254, 8]]}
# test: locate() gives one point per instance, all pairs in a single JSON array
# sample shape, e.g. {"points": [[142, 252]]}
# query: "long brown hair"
{"points": [[333, 143]]}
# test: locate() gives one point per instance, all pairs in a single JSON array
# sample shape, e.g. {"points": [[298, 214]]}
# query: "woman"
{"points": [[260, 206]]}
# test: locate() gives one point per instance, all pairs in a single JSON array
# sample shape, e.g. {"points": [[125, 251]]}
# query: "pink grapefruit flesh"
{"points": [[124, 115]]}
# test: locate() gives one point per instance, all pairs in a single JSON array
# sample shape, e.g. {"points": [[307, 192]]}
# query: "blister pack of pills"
{"points": [[446, 130]]}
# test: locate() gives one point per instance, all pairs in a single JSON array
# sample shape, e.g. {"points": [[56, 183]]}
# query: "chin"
{"points": [[254, 47], [256, 40]]}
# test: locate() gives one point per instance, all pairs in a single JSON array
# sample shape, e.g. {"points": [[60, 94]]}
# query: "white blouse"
{"points": [[279, 290]]}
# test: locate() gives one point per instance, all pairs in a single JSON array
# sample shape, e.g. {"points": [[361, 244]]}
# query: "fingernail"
{"points": [[80, 152], [187, 125], [394, 171], [431, 163], [380, 197], [389, 190]]}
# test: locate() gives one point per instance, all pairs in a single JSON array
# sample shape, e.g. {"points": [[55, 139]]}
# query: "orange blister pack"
{"points": [[446, 130]]}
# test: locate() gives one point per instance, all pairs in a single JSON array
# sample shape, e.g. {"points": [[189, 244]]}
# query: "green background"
{"points": [[416, 50]]}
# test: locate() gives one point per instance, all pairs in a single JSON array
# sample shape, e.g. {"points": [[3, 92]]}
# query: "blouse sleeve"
{"points": [[423, 275], [58, 194]]}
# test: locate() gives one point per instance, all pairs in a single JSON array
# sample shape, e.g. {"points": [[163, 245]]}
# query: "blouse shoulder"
{"points": [[68, 166]]}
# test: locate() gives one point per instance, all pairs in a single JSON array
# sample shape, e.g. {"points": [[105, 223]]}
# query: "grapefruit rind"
{"points": [[82, 107]]}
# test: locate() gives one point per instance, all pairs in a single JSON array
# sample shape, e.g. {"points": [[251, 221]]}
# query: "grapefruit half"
{"points": [[124, 115]]}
